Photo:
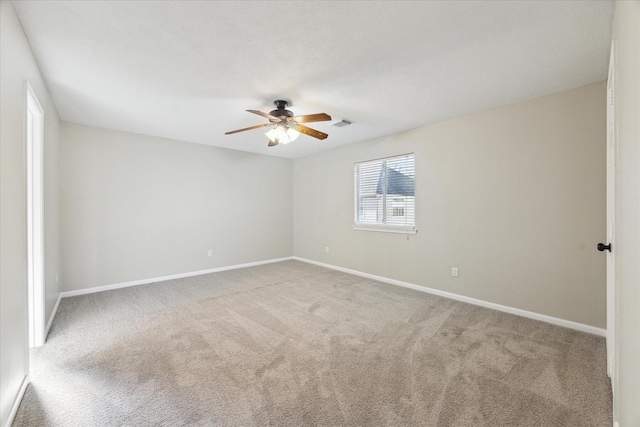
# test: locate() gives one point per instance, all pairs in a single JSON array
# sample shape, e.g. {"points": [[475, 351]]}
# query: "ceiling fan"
{"points": [[286, 126]]}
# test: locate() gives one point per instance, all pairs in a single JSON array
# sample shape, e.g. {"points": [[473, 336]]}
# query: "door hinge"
{"points": [[610, 96]]}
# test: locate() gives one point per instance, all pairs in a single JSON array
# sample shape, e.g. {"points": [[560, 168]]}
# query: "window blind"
{"points": [[384, 194]]}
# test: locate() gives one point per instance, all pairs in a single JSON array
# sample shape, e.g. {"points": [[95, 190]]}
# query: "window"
{"points": [[398, 211], [384, 194]]}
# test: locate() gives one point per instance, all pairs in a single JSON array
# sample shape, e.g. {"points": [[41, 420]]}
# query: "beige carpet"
{"points": [[292, 344]]}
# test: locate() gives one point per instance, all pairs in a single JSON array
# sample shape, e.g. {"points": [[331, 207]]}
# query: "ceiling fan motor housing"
{"points": [[281, 112]]}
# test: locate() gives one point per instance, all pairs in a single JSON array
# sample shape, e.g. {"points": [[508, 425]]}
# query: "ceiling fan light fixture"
{"points": [[277, 135], [280, 134], [293, 134]]}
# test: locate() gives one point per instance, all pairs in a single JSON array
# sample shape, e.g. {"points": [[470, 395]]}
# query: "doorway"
{"points": [[34, 136]]}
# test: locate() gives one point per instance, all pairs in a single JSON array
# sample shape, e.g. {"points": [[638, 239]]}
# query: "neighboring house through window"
{"points": [[384, 194]]}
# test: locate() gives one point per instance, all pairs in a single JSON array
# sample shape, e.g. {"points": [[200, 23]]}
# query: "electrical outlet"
{"points": [[326, 249], [454, 271], [210, 253]]}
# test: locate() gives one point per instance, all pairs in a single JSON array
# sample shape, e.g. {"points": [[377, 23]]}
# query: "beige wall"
{"points": [[136, 207], [626, 381], [514, 197], [17, 65]]}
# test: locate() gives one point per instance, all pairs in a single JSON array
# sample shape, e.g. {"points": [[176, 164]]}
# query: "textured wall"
{"points": [[514, 197], [136, 207], [17, 65]]}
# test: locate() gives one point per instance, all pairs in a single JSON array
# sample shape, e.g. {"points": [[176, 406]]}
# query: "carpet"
{"points": [[294, 344]]}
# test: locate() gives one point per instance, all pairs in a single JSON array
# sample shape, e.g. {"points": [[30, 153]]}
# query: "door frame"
{"points": [[611, 212], [34, 153]]}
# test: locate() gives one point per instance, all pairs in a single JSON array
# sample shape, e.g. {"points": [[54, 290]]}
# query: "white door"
{"points": [[611, 188]]}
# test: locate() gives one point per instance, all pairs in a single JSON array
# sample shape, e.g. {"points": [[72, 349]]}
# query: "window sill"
{"points": [[385, 229]]}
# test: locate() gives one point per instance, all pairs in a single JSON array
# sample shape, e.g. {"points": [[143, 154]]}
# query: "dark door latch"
{"points": [[602, 247]]}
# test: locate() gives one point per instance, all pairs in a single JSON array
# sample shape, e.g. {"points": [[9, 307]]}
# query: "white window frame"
{"points": [[380, 226]]}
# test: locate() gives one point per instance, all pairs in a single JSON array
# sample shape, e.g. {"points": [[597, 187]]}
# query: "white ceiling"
{"points": [[187, 70]]}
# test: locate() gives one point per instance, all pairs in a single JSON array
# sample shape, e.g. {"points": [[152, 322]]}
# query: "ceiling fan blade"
{"points": [[272, 143], [265, 115], [320, 117], [249, 128], [311, 132]]}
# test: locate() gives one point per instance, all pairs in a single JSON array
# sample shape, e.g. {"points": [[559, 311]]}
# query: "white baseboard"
{"points": [[518, 312], [16, 402], [53, 315], [165, 278]]}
